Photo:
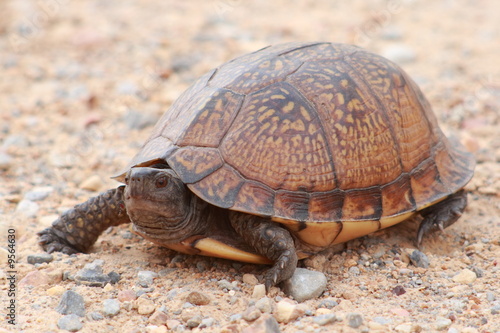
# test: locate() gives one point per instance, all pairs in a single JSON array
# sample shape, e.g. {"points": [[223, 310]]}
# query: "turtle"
{"points": [[279, 154]]}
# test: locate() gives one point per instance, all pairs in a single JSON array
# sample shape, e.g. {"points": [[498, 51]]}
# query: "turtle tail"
{"points": [[77, 229]]}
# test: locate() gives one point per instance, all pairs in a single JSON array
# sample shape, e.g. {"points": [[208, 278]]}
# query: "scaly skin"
{"points": [[270, 240], [441, 215], [78, 228]]}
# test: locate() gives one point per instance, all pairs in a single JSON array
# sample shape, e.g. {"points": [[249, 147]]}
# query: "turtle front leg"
{"points": [[442, 215], [78, 228], [271, 240]]}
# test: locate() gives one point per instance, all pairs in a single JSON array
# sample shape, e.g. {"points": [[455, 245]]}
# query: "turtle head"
{"points": [[158, 203]]}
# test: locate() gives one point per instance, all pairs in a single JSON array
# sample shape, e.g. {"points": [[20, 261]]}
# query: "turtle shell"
{"points": [[310, 133]]}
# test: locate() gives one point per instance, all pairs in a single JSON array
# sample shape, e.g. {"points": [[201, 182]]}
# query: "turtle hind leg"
{"points": [[272, 241], [78, 228], [442, 215]]}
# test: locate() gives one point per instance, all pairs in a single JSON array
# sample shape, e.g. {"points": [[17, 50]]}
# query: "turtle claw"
{"points": [[51, 242], [271, 279], [441, 215]]}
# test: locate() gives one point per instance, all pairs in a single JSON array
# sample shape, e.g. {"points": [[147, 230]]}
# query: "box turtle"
{"points": [[279, 154]]}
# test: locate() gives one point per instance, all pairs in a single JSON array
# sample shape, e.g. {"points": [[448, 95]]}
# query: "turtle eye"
{"points": [[161, 182]]}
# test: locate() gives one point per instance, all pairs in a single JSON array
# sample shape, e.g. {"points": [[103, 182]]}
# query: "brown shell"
{"points": [[311, 132]]}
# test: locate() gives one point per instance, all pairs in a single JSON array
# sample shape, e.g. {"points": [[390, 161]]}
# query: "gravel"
{"points": [[198, 298], [442, 324], [328, 304], [6, 161], [71, 303], [70, 323], [419, 259], [110, 307], [39, 258], [146, 278], [354, 320], [305, 284], [194, 321], [27, 208], [465, 276], [92, 274], [38, 193], [265, 305], [325, 319], [207, 322], [265, 324]]}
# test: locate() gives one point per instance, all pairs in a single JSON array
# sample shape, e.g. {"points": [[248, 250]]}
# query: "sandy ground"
{"points": [[82, 83]]}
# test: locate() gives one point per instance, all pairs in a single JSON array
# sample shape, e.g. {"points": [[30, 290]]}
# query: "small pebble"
{"points": [[39, 193], [287, 311], [198, 298], [201, 266], [495, 310], [490, 296], [93, 183], [145, 306], [114, 277], [146, 278], [465, 276], [127, 88], [376, 326], [398, 290], [187, 305], [305, 284], [259, 291], [419, 259], [354, 271], [39, 258], [71, 303], [265, 324], [265, 305], [6, 161], [382, 320], [110, 307], [400, 312], [35, 278], [56, 291], [328, 304], [235, 317], [207, 322], [194, 321], [27, 208], [250, 279], [225, 284], [251, 314], [354, 320], [96, 316], [404, 328], [18, 141], [156, 329], [325, 319], [173, 324], [92, 275], [442, 324], [70, 323], [127, 295]]}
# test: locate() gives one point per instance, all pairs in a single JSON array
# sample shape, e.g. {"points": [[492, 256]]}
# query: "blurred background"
{"points": [[83, 82], [80, 74]]}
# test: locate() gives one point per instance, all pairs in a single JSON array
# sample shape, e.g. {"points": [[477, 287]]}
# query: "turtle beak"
{"points": [[137, 180]]}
